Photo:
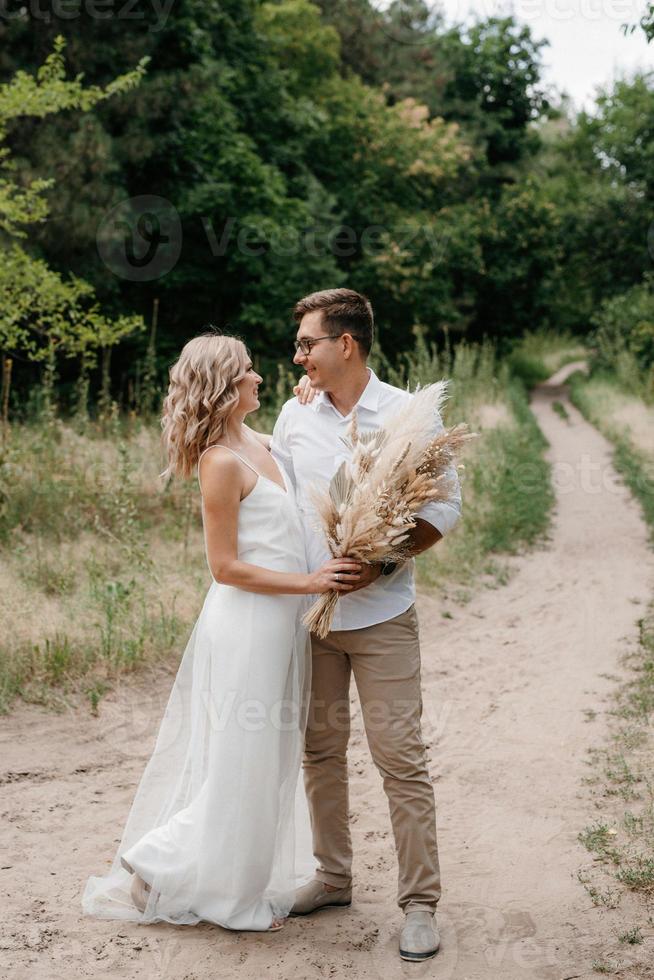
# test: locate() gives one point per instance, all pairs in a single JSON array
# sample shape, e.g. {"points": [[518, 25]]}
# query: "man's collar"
{"points": [[369, 398]]}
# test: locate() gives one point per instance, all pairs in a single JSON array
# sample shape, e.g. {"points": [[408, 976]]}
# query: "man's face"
{"points": [[325, 361]]}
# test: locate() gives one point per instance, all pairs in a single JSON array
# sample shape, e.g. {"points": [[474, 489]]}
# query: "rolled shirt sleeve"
{"points": [[443, 515]]}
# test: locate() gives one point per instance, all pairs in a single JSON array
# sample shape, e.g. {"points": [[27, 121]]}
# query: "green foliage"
{"points": [[624, 337], [40, 95], [520, 242], [306, 48], [520, 475], [485, 77], [530, 371], [646, 22], [304, 145], [540, 353], [497, 71], [598, 171], [43, 313]]}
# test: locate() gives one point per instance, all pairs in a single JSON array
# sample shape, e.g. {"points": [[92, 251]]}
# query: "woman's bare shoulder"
{"points": [[218, 466]]}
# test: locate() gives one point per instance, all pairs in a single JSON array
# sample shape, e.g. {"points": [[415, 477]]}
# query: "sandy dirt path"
{"points": [[507, 681]]}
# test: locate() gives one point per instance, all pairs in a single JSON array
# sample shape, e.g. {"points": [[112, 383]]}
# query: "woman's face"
{"points": [[248, 387]]}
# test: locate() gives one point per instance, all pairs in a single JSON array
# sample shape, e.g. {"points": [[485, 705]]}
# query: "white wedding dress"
{"points": [[219, 826]]}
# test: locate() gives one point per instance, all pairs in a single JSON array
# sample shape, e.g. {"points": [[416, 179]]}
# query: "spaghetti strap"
{"points": [[243, 460], [217, 445]]}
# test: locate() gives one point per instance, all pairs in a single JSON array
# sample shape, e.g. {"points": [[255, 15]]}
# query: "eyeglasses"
{"points": [[307, 343]]}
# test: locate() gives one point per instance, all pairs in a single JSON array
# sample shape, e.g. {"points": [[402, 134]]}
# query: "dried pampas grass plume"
{"points": [[368, 509]]}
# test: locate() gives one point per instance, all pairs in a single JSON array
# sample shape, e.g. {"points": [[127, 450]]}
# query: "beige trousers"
{"points": [[385, 659]]}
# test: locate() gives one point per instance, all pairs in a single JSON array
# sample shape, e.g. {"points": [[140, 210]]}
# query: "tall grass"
{"points": [[609, 403], [102, 565], [506, 489], [623, 338], [538, 354], [476, 377], [507, 501], [94, 551]]}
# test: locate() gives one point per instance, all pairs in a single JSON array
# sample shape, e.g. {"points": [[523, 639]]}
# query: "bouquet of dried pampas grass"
{"points": [[369, 507]]}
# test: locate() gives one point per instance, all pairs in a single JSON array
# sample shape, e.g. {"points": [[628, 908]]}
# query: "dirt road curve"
{"points": [[507, 681]]}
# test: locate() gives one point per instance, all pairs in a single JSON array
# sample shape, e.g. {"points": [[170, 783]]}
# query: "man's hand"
{"points": [[424, 535], [367, 575]]}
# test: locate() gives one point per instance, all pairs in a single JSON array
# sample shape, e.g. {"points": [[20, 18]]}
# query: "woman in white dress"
{"points": [[219, 829]]}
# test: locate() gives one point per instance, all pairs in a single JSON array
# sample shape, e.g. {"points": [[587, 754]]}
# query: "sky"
{"points": [[587, 47]]}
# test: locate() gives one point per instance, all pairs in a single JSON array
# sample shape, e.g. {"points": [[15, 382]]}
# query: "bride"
{"points": [[219, 828]]}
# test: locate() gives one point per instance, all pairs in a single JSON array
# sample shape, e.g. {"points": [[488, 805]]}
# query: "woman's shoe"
{"points": [[140, 890], [274, 926]]}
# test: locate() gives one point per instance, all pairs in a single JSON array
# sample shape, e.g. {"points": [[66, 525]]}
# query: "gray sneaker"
{"points": [[419, 938], [313, 896]]}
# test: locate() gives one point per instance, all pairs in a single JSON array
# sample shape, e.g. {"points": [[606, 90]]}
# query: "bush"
{"points": [[624, 337]]}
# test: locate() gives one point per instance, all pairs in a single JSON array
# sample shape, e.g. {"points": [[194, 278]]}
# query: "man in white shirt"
{"points": [[375, 628]]}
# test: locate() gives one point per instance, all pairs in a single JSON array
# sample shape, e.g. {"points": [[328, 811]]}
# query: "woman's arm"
{"points": [[222, 483]]}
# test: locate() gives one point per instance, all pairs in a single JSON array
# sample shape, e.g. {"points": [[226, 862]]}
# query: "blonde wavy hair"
{"points": [[201, 396]]}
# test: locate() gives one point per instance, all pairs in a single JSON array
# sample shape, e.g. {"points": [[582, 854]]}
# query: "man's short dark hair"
{"points": [[343, 311]]}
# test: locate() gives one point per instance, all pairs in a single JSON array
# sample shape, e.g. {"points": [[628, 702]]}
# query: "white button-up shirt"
{"points": [[307, 441]]}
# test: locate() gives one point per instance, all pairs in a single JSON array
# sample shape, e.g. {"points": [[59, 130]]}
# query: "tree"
{"points": [[599, 175], [44, 313]]}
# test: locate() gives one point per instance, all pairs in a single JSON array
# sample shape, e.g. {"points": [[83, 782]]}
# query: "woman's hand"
{"points": [[339, 574], [305, 393]]}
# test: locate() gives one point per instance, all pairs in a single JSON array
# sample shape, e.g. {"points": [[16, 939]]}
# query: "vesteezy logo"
{"points": [[140, 239]]}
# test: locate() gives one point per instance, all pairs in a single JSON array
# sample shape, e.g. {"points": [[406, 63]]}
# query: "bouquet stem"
{"points": [[319, 617]]}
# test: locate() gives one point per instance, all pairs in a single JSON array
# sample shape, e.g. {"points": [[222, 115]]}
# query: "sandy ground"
{"points": [[507, 679]]}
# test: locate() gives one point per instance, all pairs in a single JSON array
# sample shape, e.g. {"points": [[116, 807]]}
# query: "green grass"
{"points": [[635, 465], [90, 540], [598, 837], [605, 966], [540, 353], [633, 937], [637, 471], [622, 837], [507, 500], [102, 566]]}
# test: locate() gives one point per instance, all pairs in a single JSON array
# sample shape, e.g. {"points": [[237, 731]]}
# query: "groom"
{"points": [[374, 633]]}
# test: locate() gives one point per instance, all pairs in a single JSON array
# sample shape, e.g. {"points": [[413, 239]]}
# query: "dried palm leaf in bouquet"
{"points": [[368, 509]]}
